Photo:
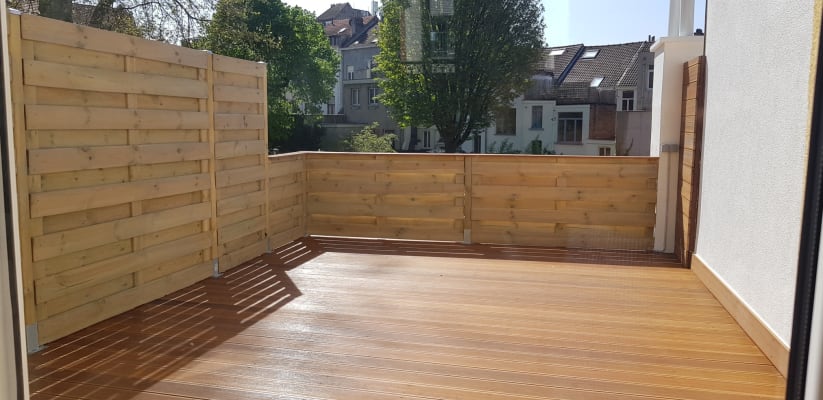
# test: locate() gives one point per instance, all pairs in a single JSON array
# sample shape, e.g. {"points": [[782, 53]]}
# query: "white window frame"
{"points": [[537, 123], [355, 96], [373, 92], [604, 149], [427, 139], [350, 72], [650, 76], [562, 120], [628, 103]]}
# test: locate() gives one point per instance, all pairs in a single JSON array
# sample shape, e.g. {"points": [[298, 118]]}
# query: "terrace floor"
{"points": [[331, 318]]}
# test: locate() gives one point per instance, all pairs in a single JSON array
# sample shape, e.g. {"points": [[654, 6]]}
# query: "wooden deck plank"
{"points": [[326, 318]]}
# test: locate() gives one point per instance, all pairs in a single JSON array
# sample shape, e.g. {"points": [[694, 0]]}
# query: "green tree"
{"points": [[495, 45], [367, 141], [173, 21], [301, 63]]}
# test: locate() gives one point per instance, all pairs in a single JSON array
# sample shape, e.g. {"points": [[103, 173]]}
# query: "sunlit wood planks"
{"points": [[363, 319]]}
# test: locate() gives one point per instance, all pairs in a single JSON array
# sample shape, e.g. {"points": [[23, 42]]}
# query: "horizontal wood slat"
{"points": [[98, 118], [70, 200], [44, 161], [59, 243], [41, 29], [54, 75]]}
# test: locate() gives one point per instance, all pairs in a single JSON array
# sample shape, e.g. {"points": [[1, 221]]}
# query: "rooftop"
{"points": [[612, 62]]}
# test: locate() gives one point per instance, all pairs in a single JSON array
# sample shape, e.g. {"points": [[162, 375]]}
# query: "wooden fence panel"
{"points": [[286, 199], [241, 160], [583, 202], [115, 158], [691, 139], [385, 196]]}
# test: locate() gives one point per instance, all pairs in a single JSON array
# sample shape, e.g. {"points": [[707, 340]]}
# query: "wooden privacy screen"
{"points": [[286, 199], [587, 202], [115, 157], [385, 196], [691, 139], [584, 202], [241, 153]]}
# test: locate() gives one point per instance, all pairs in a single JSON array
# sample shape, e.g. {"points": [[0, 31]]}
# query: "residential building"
{"points": [[584, 100], [360, 89], [341, 11], [344, 26]]}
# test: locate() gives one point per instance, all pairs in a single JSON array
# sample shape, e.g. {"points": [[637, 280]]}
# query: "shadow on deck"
{"points": [[332, 318]]}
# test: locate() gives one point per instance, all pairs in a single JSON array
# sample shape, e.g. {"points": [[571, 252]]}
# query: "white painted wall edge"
{"points": [[743, 302], [770, 344]]}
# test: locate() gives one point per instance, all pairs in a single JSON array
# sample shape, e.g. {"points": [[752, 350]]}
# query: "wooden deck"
{"points": [[357, 319]]}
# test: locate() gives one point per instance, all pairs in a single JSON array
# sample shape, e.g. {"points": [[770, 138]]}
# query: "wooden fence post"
{"points": [[21, 172], [215, 256], [467, 200]]}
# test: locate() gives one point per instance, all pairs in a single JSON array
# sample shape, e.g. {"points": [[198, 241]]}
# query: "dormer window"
{"points": [[588, 54]]}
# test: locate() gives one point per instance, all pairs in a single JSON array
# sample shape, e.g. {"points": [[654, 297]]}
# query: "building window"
{"points": [[441, 45], [505, 122], [570, 127], [537, 117], [427, 139], [650, 76], [590, 54], [350, 72], [627, 100], [596, 81], [557, 52], [355, 97], [605, 151], [330, 109], [373, 95]]}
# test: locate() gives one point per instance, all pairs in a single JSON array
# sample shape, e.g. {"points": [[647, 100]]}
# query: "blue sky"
{"points": [[592, 22]]}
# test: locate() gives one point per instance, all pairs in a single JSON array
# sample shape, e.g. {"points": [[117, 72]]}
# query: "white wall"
{"points": [[669, 55], [755, 147]]}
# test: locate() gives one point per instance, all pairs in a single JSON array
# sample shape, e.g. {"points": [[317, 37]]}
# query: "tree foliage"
{"points": [[368, 141], [496, 44], [301, 63], [172, 21]]}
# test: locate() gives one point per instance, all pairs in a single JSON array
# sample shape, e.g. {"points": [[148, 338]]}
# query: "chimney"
{"points": [[681, 17]]}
